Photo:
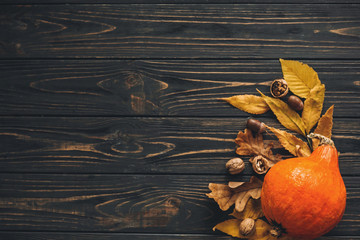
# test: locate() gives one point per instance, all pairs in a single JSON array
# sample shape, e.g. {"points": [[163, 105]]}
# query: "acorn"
{"points": [[295, 103], [279, 88], [255, 125]]}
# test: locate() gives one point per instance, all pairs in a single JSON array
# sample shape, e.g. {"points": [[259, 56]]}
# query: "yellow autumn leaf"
{"points": [[294, 145], [248, 103], [230, 227], [262, 232], [313, 107], [300, 77], [324, 126], [286, 116]]}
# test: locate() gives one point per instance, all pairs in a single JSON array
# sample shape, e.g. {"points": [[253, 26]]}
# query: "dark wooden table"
{"points": [[110, 126]]}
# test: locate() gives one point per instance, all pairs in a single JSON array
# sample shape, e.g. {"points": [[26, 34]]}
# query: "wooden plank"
{"points": [[140, 145], [180, 31], [177, 1], [125, 236], [126, 203], [156, 88]]}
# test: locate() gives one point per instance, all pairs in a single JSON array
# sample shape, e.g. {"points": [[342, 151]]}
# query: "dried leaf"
{"points": [[294, 145], [313, 107], [248, 103], [226, 196], [248, 145], [230, 227], [324, 126], [252, 210], [300, 77], [262, 232], [286, 116]]}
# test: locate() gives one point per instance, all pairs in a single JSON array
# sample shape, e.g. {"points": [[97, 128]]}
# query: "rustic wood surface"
{"points": [[125, 236], [157, 87], [126, 203], [111, 125], [140, 145], [181, 31]]}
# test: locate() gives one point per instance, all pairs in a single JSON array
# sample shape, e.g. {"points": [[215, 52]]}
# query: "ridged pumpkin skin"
{"points": [[305, 195]]}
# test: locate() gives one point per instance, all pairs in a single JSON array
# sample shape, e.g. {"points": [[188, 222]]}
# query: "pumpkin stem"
{"points": [[276, 232], [323, 140]]}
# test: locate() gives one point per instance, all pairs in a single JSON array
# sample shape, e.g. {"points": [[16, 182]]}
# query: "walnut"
{"points": [[235, 165], [260, 164], [279, 88], [247, 227]]}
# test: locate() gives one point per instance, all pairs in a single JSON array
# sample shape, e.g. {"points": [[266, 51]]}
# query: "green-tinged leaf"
{"points": [[313, 107], [294, 145], [248, 103], [230, 227], [286, 116], [300, 77], [252, 210], [324, 126]]}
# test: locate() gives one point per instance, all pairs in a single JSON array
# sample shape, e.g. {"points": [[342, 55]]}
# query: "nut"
{"points": [[255, 125], [247, 227], [260, 164], [295, 103], [279, 88], [235, 165]]}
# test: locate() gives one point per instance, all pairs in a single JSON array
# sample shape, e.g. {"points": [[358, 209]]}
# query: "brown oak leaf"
{"points": [[237, 193], [249, 145]]}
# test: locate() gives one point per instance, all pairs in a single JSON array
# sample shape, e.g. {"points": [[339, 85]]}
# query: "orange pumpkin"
{"points": [[305, 196]]}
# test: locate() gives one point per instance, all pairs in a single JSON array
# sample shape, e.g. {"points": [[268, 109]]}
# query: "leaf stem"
{"points": [[310, 143]]}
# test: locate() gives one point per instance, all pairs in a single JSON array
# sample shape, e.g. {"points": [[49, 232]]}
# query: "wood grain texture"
{"points": [[126, 236], [180, 31], [126, 203], [157, 88], [177, 1], [140, 145]]}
